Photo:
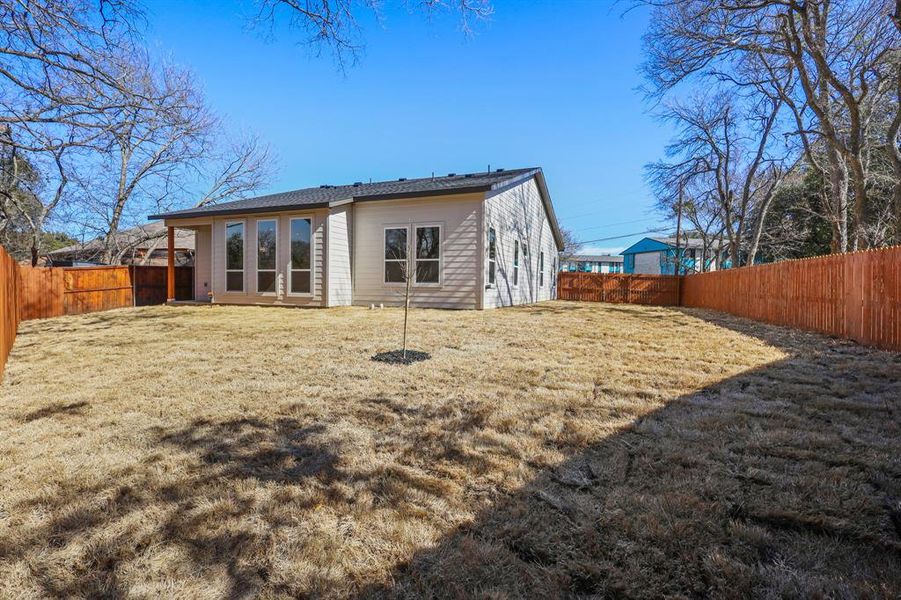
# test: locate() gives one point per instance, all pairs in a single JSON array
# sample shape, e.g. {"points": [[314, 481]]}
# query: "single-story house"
{"points": [[592, 263], [470, 241], [141, 245], [656, 256]]}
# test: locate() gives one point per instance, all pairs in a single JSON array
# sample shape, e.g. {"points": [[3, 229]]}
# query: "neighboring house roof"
{"points": [[595, 258], [691, 242], [325, 196], [141, 237], [664, 243]]}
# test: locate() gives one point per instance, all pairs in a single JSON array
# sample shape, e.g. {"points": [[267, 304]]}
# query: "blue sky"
{"points": [[544, 83]]}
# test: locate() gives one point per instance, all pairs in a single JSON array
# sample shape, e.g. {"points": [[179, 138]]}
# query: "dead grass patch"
{"points": [[562, 449]]}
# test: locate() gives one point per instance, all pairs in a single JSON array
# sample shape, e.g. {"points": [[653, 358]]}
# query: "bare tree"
{"points": [[334, 23], [724, 152], [150, 145], [58, 65], [837, 51], [892, 141], [571, 246], [401, 268]]}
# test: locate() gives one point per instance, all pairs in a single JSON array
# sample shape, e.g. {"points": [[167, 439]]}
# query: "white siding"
{"points": [[459, 217], [283, 252], [338, 263], [518, 214], [202, 272]]}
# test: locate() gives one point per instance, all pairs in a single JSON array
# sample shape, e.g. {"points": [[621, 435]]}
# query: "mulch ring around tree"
{"points": [[396, 357]]}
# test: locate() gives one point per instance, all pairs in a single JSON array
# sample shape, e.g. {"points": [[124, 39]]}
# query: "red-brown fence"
{"points": [[43, 292], [150, 284], [661, 290], [855, 296], [55, 291], [9, 305]]}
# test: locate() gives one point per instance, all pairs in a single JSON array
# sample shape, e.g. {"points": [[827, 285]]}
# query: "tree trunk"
{"points": [[838, 182], [892, 135], [860, 200], [408, 281]]}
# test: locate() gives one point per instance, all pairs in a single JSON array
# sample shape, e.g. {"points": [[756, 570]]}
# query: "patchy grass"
{"points": [[555, 450]]}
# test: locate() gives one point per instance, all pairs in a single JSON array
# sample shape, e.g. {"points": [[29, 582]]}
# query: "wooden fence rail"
{"points": [[9, 305], [42, 292], [855, 296], [55, 291], [660, 290]]}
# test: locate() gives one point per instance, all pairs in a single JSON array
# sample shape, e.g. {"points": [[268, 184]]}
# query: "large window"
{"points": [[492, 255], [234, 257], [395, 254], [301, 272], [266, 245], [428, 254], [515, 262], [541, 269]]}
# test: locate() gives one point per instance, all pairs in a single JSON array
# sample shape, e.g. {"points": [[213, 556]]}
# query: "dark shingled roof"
{"points": [[325, 196]]}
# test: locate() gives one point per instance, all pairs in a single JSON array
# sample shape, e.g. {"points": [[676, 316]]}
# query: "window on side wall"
{"points": [[541, 269], [266, 247], [492, 255], [301, 270], [428, 254], [516, 262], [395, 254], [234, 257]]}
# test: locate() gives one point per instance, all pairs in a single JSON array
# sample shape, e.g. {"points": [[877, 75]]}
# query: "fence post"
{"points": [[170, 267]]}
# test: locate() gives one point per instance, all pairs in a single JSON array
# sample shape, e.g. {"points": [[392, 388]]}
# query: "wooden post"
{"points": [[170, 267]]}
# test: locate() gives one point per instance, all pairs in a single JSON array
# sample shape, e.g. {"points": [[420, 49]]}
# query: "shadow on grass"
{"points": [[73, 408], [775, 482], [782, 481]]}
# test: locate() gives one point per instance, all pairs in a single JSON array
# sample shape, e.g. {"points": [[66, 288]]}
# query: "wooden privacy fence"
{"points": [[855, 296], [661, 290], [55, 291], [9, 305]]}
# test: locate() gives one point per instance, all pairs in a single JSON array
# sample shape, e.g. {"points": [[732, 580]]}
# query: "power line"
{"points": [[619, 237], [616, 224]]}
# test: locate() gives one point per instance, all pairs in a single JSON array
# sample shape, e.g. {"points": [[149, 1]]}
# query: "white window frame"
{"points": [[291, 268], [541, 268], [490, 260], [243, 269], [440, 260], [257, 249], [515, 263], [385, 261]]}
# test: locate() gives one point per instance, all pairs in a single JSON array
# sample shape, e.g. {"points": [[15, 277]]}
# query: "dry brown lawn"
{"points": [[559, 450]]}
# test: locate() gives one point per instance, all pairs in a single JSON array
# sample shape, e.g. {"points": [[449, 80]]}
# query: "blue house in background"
{"points": [[591, 263], [656, 256]]}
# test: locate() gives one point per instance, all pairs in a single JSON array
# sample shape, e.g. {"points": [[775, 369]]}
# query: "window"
{"points": [[266, 244], [516, 262], [428, 254], [540, 269], [234, 257], [492, 254], [395, 254], [300, 272]]}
